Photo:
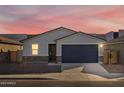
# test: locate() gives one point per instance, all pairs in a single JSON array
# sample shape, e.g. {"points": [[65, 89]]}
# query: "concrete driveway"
{"points": [[98, 69]]}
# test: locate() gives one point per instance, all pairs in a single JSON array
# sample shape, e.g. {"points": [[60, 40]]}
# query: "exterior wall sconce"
{"points": [[101, 45]]}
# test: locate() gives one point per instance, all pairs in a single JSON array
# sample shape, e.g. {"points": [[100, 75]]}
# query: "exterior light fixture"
{"points": [[101, 45]]}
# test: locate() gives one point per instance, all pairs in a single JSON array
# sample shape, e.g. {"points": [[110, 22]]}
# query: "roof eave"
{"points": [[11, 43], [113, 43]]}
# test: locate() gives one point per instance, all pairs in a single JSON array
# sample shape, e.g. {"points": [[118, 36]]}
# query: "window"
{"points": [[34, 49], [116, 34]]}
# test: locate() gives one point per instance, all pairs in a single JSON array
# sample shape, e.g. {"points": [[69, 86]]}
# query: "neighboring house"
{"points": [[17, 37], [62, 45], [111, 35], [8, 49], [115, 48], [7, 44], [121, 32]]}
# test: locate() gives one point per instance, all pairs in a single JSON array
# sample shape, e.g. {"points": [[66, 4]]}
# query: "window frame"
{"points": [[35, 49]]}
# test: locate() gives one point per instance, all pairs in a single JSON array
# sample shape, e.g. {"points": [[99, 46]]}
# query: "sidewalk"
{"points": [[74, 74]]}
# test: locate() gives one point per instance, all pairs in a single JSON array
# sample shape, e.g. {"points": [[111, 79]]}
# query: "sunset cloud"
{"points": [[37, 19]]}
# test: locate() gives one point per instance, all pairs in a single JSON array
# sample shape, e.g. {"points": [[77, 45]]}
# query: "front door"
{"points": [[52, 52]]}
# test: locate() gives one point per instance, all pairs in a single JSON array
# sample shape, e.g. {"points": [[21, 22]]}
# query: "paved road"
{"points": [[56, 83]]}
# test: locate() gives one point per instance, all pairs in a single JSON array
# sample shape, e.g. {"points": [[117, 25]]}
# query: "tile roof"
{"points": [[5, 40], [102, 36], [17, 37], [82, 33], [75, 32], [48, 32], [119, 39]]}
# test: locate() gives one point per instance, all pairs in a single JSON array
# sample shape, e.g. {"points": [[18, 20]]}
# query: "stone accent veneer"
{"points": [[59, 59], [35, 59]]}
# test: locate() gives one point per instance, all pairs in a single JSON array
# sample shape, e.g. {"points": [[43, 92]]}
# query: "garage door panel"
{"points": [[79, 53]]}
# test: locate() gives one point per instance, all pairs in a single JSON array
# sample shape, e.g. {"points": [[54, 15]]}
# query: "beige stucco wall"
{"points": [[8, 47], [79, 39]]}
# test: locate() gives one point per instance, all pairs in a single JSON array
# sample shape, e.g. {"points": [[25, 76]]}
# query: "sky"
{"points": [[37, 19]]}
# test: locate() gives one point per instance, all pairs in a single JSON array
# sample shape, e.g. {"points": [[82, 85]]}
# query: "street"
{"points": [[56, 83]]}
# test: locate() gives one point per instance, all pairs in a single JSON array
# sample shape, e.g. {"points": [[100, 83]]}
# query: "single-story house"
{"points": [[62, 45], [114, 51], [8, 49]]}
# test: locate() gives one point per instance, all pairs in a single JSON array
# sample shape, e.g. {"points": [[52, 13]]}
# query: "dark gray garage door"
{"points": [[79, 53]]}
